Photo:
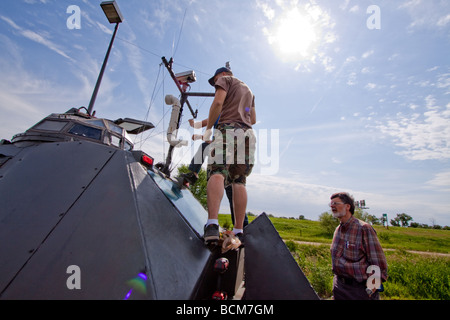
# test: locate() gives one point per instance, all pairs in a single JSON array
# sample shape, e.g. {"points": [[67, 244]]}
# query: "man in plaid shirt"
{"points": [[355, 247]]}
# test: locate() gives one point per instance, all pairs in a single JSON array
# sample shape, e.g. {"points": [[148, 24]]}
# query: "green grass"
{"points": [[411, 276], [415, 276], [414, 239], [315, 262], [292, 229]]}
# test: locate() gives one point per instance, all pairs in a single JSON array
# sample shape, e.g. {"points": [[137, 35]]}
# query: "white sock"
{"points": [[236, 231], [212, 221]]}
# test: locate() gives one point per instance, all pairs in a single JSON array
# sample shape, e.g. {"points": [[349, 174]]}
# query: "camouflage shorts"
{"points": [[232, 153]]}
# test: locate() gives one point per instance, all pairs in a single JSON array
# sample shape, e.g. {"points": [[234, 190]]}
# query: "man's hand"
{"points": [[195, 125], [207, 135]]}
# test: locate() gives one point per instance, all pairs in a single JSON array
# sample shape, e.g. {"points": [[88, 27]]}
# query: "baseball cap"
{"points": [[220, 70]]}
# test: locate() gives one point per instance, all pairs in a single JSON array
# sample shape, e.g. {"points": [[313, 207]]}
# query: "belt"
{"points": [[350, 281], [239, 125]]}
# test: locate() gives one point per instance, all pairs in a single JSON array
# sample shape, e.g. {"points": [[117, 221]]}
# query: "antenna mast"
{"points": [[182, 87]]}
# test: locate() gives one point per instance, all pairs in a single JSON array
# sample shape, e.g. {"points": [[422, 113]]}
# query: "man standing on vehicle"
{"points": [[235, 103], [354, 249]]}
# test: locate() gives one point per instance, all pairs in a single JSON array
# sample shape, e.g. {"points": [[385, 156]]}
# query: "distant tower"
{"points": [[227, 65]]}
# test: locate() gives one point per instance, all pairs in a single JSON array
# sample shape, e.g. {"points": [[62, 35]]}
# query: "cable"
{"points": [[160, 55], [151, 102], [145, 50], [179, 35]]}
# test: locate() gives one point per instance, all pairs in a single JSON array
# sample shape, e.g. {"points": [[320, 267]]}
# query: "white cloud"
{"points": [[370, 86], [136, 62], [443, 82], [104, 28], [327, 64], [352, 79], [441, 181], [269, 190], [36, 38], [367, 54], [34, 1], [344, 5], [395, 56], [269, 13], [426, 14], [350, 59], [354, 9], [442, 22], [336, 160], [158, 19], [366, 70], [423, 136], [26, 96]]}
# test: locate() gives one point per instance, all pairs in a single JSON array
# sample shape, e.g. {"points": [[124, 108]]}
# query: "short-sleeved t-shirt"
{"points": [[238, 103]]}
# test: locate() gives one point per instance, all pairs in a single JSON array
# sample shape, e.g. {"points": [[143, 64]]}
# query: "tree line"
{"points": [[329, 223]]}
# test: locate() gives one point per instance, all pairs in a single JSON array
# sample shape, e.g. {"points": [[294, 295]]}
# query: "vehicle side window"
{"points": [[115, 141], [127, 146], [49, 125], [85, 131]]}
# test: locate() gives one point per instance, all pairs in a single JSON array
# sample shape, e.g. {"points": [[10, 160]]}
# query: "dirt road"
{"points": [[386, 249]]}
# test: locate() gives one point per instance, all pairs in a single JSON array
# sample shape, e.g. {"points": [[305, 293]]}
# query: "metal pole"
{"points": [[183, 93], [166, 169], [100, 76], [183, 100]]}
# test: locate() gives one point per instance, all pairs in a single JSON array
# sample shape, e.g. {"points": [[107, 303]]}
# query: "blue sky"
{"points": [[348, 97]]}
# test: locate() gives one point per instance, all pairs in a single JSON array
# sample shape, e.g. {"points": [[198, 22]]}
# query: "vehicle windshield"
{"points": [[50, 125], [85, 131], [96, 122], [185, 202]]}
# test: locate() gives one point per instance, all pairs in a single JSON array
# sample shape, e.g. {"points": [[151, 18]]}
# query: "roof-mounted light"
{"points": [[112, 12]]}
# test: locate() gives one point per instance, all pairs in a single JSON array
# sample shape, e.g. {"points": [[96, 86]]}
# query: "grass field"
{"points": [[411, 275]]}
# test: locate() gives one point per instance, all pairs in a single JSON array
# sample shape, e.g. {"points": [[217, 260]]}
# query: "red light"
{"points": [[147, 160], [219, 295]]}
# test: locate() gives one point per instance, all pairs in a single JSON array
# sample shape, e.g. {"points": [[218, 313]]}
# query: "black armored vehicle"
{"points": [[85, 216]]}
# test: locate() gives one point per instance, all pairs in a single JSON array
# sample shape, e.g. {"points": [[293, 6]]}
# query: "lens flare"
{"points": [[138, 284]]}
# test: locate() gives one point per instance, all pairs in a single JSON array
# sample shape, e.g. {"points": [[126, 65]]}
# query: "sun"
{"points": [[295, 34], [301, 35]]}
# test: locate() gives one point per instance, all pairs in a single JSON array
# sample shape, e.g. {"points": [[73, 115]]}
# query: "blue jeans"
{"points": [[199, 158]]}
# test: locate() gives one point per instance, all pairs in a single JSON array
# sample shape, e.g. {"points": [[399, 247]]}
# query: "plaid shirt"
{"points": [[355, 246]]}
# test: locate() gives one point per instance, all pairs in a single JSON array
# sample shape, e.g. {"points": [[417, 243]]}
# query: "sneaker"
{"points": [[211, 233], [190, 177], [181, 182], [185, 180], [240, 236]]}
